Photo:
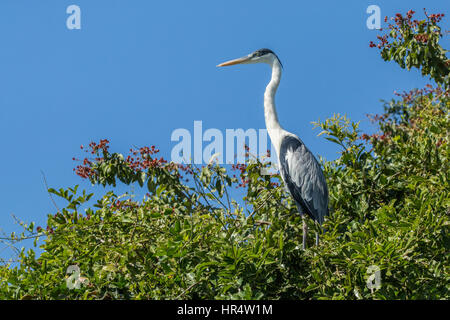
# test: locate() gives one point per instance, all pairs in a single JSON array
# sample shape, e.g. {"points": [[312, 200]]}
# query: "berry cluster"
{"points": [[141, 159], [242, 167], [84, 170], [434, 18]]}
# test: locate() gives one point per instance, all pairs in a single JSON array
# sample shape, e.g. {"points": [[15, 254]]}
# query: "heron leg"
{"points": [[305, 231]]}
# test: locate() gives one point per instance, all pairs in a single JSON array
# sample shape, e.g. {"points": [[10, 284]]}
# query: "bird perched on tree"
{"points": [[299, 168]]}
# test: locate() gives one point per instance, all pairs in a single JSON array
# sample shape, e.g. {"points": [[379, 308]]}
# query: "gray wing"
{"points": [[304, 178]]}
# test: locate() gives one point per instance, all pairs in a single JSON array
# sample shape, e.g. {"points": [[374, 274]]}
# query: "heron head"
{"points": [[259, 56]]}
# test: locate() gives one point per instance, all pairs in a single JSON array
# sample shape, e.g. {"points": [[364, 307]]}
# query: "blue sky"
{"points": [[137, 70]]}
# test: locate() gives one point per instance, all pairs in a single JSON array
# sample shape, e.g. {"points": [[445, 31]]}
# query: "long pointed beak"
{"points": [[235, 61]]}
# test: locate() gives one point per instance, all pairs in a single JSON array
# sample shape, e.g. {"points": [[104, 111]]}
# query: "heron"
{"points": [[299, 169]]}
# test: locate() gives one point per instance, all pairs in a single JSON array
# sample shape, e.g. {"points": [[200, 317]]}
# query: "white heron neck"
{"points": [[270, 113]]}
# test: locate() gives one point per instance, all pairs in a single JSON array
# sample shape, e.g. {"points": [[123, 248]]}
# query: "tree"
{"points": [[389, 195], [415, 43]]}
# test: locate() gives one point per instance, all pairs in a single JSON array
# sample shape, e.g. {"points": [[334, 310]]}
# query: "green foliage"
{"points": [[389, 201], [389, 209], [415, 44]]}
